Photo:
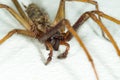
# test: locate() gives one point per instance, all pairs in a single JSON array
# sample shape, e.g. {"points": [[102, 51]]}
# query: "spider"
{"points": [[53, 34]]}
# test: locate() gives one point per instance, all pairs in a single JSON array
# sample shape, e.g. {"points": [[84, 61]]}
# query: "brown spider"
{"points": [[53, 34]]}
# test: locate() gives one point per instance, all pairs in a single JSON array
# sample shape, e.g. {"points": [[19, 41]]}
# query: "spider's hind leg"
{"points": [[20, 10], [61, 10], [17, 16]]}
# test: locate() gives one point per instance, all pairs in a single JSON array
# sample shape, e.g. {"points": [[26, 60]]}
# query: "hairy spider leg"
{"points": [[106, 31], [21, 20], [61, 10], [60, 14], [91, 14], [20, 10], [73, 32], [17, 16], [106, 16], [78, 24], [97, 9], [104, 28], [18, 31], [22, 13]]}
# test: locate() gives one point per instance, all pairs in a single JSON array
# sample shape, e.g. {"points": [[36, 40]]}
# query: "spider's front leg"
{"points": [[97, 9], [66, 23], [81, 20], [61, 10], [92, 15]]}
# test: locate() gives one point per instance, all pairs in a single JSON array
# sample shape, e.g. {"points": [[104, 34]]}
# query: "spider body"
{"points": [[42, 25]]}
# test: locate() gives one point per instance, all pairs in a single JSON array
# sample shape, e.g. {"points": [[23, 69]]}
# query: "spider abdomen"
{"points": [[39, 17]]}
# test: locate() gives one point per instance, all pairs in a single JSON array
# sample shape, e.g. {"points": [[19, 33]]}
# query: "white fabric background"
{"points": [[22, 58]]}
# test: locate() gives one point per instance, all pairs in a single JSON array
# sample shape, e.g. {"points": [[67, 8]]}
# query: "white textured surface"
{"points": [[21, 58]]}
